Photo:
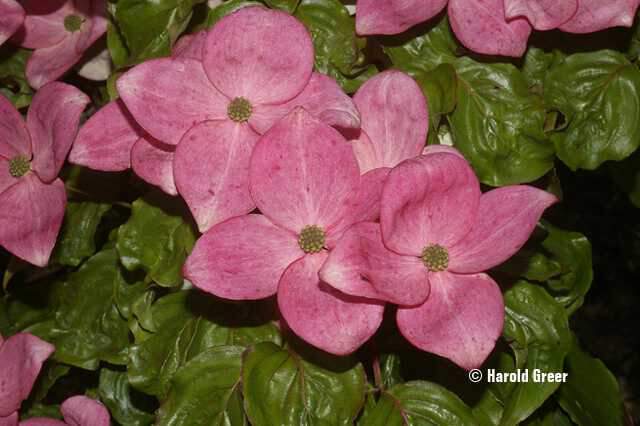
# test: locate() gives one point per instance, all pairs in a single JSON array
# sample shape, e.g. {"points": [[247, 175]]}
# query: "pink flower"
{"points": [[21, 358], [256, 66], [437, 234], [11, 17], [60, 31], [394, 122], [495, 27], [305, 180], [78, 410], [33, 199]]}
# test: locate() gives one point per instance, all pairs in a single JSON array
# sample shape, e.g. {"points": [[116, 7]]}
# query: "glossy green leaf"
{"points": [[114, 392], [206, 391], [591, 394], [157, 238], [337, 49], [599, 95], [13, 81], [76, 240], [283, 388], [537, 329], [536, 65], [225, 8], [186, 324], [286, 5], [440, 87], [498, 124], [390, 370], [419, 403]]}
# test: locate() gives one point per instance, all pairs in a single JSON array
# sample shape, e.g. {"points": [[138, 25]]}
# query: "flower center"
{"points": [[311, 239], [435, 258], [72, 23], [239, 110], [19, 166]]}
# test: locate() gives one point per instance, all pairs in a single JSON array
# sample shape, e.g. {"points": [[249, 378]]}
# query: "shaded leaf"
{"points": [[114, 393]]}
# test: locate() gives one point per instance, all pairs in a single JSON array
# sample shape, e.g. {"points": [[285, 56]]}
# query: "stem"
{"points": [[377, 374]]}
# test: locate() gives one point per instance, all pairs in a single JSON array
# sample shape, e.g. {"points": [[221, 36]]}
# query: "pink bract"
{"points": [[21, 358], [33, 199], [60, 31], [11, 17], [437, 235], [541, 14], [596, 15], [305, 180], [77, 411]]}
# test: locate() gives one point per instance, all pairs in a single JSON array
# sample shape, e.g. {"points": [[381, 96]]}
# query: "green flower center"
{"points": [[435, 258], [72, 23], [239, 110], [19, 166], [311, 239]]}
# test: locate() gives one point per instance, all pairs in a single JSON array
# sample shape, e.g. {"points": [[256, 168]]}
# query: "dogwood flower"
{"points": [[11, 17], [77, 410], [437, 235], [394, 121], [495, 27], [305, 180], [21, 358], [225, 87], [33, 199], [60, 31]]}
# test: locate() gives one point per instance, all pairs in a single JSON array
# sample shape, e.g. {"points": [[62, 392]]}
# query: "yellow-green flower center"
{"points": [[239, 110], [19, 166], [435, 258], [311, 239], [72, 23]]}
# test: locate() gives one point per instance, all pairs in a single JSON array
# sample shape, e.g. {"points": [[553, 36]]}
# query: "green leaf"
{"points": [[536, 65], [598, 93], [282, 388], [206, 391], [222, 10], [390, 370], [440, 87], [187, 323], [337, 49], [157, 238], [419, 403], [76, 241], [82, 320], [288, 6], [498, 124], [13, 81], [537, 329], [148, 28], [591, 394], [114, 393]]}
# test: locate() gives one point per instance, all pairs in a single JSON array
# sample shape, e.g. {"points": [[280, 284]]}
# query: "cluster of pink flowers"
{"points": [[346, 225], [496, 27], [21, 358]]}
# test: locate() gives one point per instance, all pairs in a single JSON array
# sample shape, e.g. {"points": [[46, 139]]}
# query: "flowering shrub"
{"points": [[296, 212]]}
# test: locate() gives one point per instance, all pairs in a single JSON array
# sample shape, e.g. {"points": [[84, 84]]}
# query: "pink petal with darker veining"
{"points": [[242, 258], [542, 14], [395, 118], [104, 142], [52, 120], [30, 218], [596, 15], [169, 96], [42, 421], [361, 265], [152, 160], [44, 23], [96, 23], [432, 199], [265, 56], [211, 169], [10, 420], [481, 26], [11, 18], [50, 63], [14, 136], [506, 218], [83, 411], [461, 320], [21, 358], [303, 172], [394, 16], [327, 319], [190, 46], [322, 97]]}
